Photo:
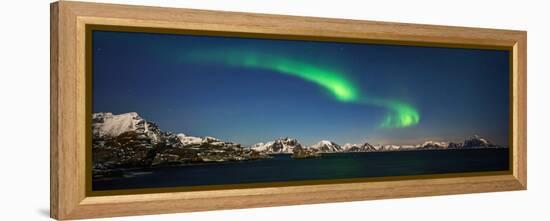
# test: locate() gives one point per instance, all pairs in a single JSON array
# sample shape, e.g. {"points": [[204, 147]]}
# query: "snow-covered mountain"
{"points": [[430, 145], [110, 125], [291, 145], [365, 147], [122, 141], [127, 141], [477, 142], [326, 146], [470, 143], [288, 145], [281, 145], [388, 147], [191, 141]]}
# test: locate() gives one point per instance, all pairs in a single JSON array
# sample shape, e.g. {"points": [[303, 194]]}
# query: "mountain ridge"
{"points": [[127, 140]]}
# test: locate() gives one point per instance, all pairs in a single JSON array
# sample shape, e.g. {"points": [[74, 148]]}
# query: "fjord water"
{"points": [[330, 166]]}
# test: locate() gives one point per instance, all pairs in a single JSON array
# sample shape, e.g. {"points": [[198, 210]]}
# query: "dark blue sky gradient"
{"points": [[458, 92]]}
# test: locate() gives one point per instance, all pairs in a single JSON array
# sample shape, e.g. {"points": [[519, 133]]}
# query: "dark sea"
{"points": [[330, 166]]}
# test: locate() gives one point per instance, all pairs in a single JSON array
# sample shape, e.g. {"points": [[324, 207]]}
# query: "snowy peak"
{"points": [[434, 145], [326, 146], [189, 140], [290, 145], [281, 145], [108, 124], [476, 141], [389, 147], [127, 141], [358, 147], [112, 125]]}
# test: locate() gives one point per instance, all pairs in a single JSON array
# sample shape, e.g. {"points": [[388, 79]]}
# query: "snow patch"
{"points": [[189, 140], [109, 124]]}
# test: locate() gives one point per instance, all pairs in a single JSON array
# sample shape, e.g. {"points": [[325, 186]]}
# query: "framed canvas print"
{"points": [[158, 110]]}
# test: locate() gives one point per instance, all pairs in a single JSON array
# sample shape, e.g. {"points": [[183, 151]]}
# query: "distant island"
{"points": [[126, 141]]}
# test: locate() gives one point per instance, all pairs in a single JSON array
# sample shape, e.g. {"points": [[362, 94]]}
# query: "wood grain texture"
{"points": [[54, 94], [521, 72], [68, 108]]}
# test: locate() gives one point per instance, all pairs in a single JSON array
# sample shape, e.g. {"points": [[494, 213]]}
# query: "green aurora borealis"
{"points": [[399, 114]]}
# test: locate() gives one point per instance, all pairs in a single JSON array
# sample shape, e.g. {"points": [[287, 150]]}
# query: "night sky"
{"points": [[256, 90]]}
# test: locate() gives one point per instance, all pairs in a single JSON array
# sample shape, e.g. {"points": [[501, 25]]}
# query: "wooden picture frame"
{"points": [[70, 198]]}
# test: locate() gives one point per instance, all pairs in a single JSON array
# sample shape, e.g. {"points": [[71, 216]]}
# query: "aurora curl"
{"points": [[400, 114]]}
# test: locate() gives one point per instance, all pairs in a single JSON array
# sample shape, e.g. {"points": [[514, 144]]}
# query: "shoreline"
{"points": [[120, 172]]}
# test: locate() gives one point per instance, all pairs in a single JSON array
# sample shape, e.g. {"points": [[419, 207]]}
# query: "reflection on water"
{"points": [[329, 166]]}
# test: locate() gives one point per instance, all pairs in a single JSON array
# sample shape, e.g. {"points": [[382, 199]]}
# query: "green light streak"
{"points": [[400, 114], [334, 82]]}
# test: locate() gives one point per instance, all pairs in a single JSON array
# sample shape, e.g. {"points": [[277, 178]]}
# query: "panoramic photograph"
{"points": [[177, 110]]}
